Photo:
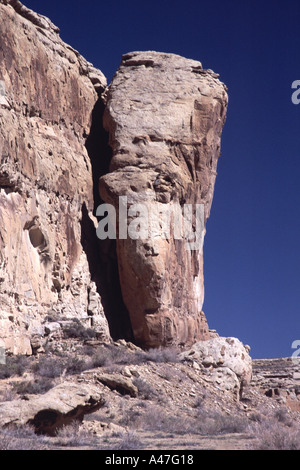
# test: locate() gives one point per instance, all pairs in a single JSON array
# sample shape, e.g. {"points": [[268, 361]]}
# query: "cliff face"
{"points": [[47, 94], [164, 115]]}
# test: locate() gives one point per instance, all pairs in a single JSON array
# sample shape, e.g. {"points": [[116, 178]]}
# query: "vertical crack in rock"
{"points": [[164, 115], [101, 254]]}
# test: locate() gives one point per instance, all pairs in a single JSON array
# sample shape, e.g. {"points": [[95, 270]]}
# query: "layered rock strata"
{"points": [[47, 95], [279, 379], [164, 115]]}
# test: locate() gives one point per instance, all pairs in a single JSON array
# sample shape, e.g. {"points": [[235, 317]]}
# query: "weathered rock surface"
{"points": [[58, 407], [226, 361], [164, 115], [118, 382], [47, 94], [278, 379]]}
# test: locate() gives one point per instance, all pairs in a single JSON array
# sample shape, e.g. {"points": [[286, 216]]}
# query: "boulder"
{"points": [[52, 328], [226, 361], [58, 407], [118, 382]]}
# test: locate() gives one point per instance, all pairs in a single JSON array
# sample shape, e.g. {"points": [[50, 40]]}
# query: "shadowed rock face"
{"points": [[164, 115]]}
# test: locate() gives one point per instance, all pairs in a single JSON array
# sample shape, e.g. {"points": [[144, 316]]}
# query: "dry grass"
{"points": [[275, 432], [73, 435], [273, 436], [154, 418], [166, 355], [146, 391], [211, 423], [15, 366], [24, 438], [75, 329], [129, 441], [21, 438], [33, 387]]}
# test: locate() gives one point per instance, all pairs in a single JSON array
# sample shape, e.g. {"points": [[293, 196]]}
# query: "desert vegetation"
{"points": [[267, 433], [174, 403]]}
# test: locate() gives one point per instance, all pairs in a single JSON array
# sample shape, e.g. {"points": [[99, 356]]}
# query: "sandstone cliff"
{"points": [[164, 115], [47, 94]]}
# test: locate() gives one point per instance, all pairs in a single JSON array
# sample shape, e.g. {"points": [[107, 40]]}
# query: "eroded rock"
{"points": [[226, 361], [47, 94], [164, 115], [58, 407], [118, 382]]}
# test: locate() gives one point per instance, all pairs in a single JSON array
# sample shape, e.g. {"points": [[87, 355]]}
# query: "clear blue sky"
{"points": [[252, 256]]}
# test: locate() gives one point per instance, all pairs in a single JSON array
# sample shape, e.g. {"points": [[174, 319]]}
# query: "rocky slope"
{"points": [[122, 397], [279, 378]]}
